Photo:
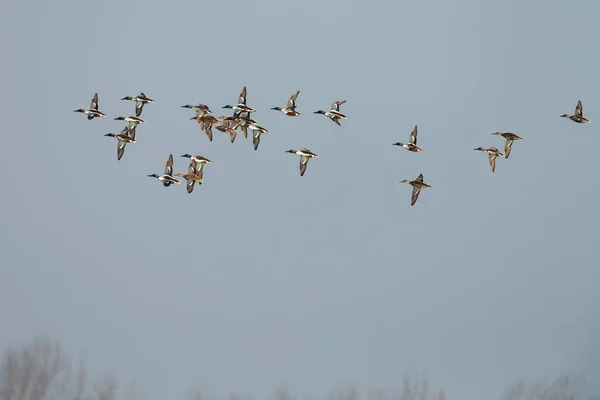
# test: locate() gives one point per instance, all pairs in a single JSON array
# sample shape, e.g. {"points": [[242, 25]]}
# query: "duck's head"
{"points": [[291, 151], [405, 181], [186, 106], [276, 108], [186, 155], [127, 98], [228, 106], [565, 116], [319, 112], [153, 176], [79, 110], [497, 134], [110, 134], [120, 118], [398, 144], [480, 148]]}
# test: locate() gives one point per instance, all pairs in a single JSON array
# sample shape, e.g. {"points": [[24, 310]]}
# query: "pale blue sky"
{"points": [[261, 278]]}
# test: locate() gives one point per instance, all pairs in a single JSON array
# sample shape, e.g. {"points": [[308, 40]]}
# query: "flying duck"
{"points": [[93, 111]]}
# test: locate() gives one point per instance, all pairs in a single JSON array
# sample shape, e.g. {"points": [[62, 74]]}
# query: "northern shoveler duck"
{"points": [[417, 185], [167, 178], [93, 111], [257, 131], [241, 105], [197, 162], [492, 153], [412, 142], [290, 109], [140, 100], [133, 122], [510, 138], [201, 109], [123, 138], [243, 121], [191, 177], [334, 114], [197, 159], [305, 156], [578, 117]]}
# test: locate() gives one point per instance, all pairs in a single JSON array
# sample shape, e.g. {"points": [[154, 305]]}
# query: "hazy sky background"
{"points": [[261, 278]]}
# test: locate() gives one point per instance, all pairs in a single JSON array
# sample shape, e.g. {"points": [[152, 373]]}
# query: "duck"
{"points": [[93, 112], [492, 153], [417, 185], [140, 100], [241, 105], [257, 131], [123, 139], [191, 177], [305, 156], [412, 142], [334, 114], [133, 121], [201, 109], [510, 138], [578, 117], [290, 109], [197, 162], [227, 128], [197, 159], [167, 178]]}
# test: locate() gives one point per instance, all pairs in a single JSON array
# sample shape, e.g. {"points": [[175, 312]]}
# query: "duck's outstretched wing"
{"points": [[292, 101], [415, 195], [303, 164], [336, 105], [120, 148], [139, 106], [256, 140], [508, 147], [94, 103], [190, 185], [413, 136], [242, 97], [169, 166], [492, 158]]}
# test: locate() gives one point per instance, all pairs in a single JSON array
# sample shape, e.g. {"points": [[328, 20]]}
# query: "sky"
{"points": [[261, 278]]}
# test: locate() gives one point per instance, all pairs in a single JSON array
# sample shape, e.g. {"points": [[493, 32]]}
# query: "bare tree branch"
{"points": [[561, 388]]}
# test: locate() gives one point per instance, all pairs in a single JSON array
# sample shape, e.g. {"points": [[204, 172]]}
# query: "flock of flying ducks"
{"points": [[241, 119]]}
